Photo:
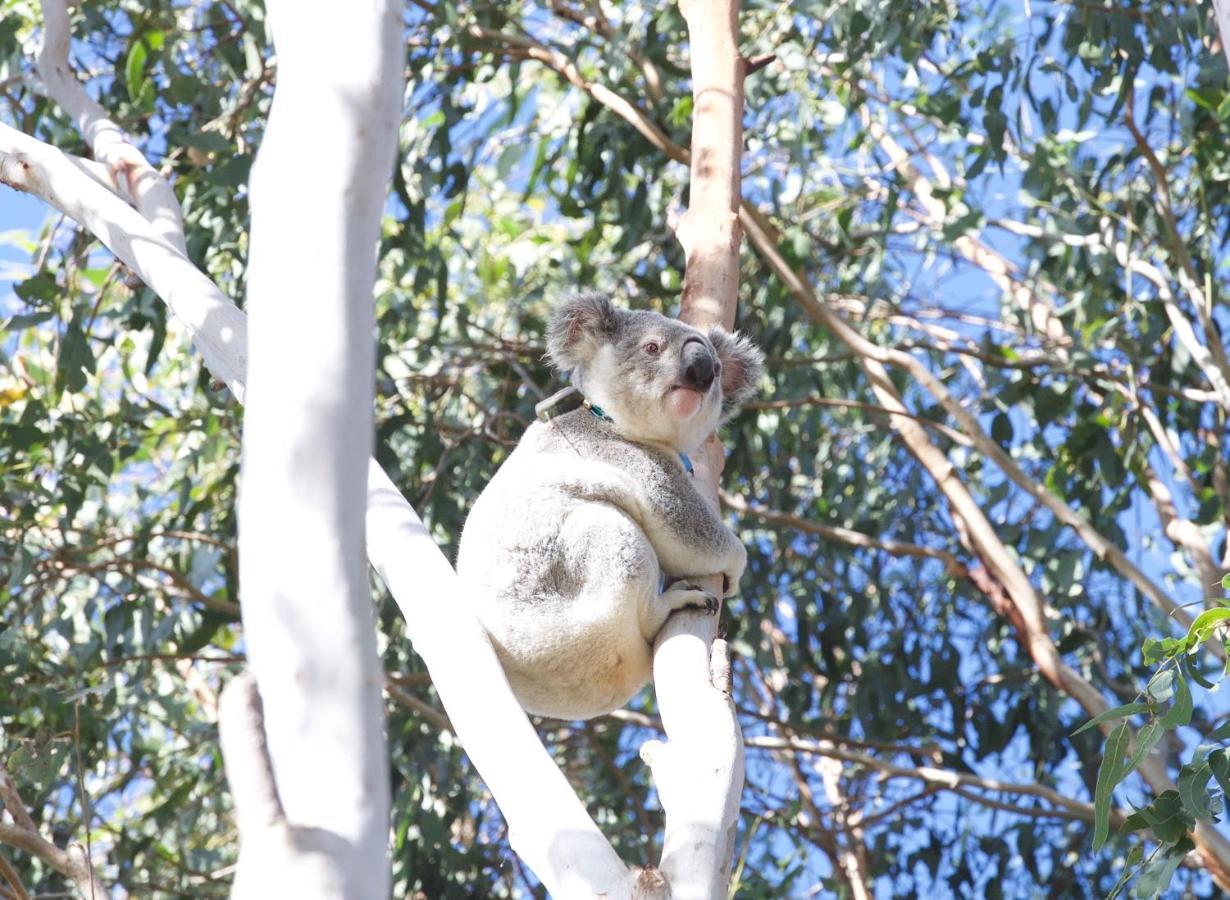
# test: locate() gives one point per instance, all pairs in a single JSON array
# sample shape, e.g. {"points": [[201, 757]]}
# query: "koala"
{"points": [[568, 547]]}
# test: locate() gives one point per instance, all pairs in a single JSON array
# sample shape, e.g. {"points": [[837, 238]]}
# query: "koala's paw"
{"points": [[685, 595]]}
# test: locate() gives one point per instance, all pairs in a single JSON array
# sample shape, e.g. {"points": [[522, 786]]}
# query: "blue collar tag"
{"points": [[597, 411], [687, 463]]}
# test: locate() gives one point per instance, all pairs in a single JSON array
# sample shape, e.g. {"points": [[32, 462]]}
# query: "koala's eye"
{"points": [[652, 348]]}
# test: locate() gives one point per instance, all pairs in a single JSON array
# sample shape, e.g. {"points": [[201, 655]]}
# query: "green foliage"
{"points": [[1172, 814], [118, 461]]}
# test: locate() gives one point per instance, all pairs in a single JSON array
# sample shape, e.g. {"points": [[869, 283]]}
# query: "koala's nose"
{"points": [[698, 370]]}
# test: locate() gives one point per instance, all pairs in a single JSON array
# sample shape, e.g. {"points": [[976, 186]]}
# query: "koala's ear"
{"points": [[742, 363], [578, 327]]}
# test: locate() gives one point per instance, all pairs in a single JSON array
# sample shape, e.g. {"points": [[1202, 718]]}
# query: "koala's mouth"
{"points": [[684, 401]]}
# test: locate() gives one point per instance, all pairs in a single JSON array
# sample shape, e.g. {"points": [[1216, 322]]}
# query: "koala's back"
{"points": [[514, 525], [561, 567]]}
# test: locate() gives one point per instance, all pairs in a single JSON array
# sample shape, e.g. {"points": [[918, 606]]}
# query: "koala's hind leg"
{"points": [[616, 571], [606, 580]]}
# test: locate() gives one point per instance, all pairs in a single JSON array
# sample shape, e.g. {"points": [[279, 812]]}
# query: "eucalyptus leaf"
{"points": [[1110, 773]]}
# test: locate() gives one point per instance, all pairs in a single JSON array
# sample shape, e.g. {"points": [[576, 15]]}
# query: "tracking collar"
{"points": [[544, 407]]}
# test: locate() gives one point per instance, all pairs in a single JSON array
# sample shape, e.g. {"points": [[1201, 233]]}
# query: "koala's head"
{"points": [[660, 380]]}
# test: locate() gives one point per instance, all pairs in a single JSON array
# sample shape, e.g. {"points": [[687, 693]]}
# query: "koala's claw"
{"points": [[685, 595]]}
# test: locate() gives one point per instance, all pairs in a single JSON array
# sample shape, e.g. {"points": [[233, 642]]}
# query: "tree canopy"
{"points": [[985, 258]]}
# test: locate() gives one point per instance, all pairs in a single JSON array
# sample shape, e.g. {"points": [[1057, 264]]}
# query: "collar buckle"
{"points": [[543, 408]]}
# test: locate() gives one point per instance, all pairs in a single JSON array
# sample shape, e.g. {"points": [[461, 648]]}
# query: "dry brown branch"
{"points": [[1033, 304], [72, 863], [66, 568], [952, 434], [16, 889], [594, 19], [13, 803], [528, 48], [1210, 356], [847, 535], [420, 707], [946, 779]]}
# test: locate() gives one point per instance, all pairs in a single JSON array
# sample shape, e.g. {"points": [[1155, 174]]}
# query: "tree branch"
{"points": [[851, 849], [952, 565], [1212, 366], [1185, 535], [217, 328], [699, 770], [13, 803], [528, 48], [1221, 12], [1212, 355], [126, 166], [15, 888], [73, 863], [952, 434], [308, 619], [1035, 307], [946, 779]]}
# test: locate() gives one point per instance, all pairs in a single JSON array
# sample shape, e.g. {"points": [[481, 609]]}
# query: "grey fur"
{"points": [[567, 547]]}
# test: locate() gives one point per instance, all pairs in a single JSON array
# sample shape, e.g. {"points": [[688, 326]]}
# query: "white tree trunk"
{"points": [[317, 193], [699, 770], [1221, 10]]}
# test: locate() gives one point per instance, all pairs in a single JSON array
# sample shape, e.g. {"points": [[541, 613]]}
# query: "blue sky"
{"points": [[21, 217], [964, 289]]}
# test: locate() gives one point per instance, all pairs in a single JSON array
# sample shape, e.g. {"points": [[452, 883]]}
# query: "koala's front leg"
{"points": [[683, 594], [687, 534], [679, 595]]}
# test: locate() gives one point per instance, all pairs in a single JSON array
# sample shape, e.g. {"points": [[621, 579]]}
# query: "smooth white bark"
{"points": [[68, 183], [129, 170], [699, 770], [1221, 9], [309, 624]]}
